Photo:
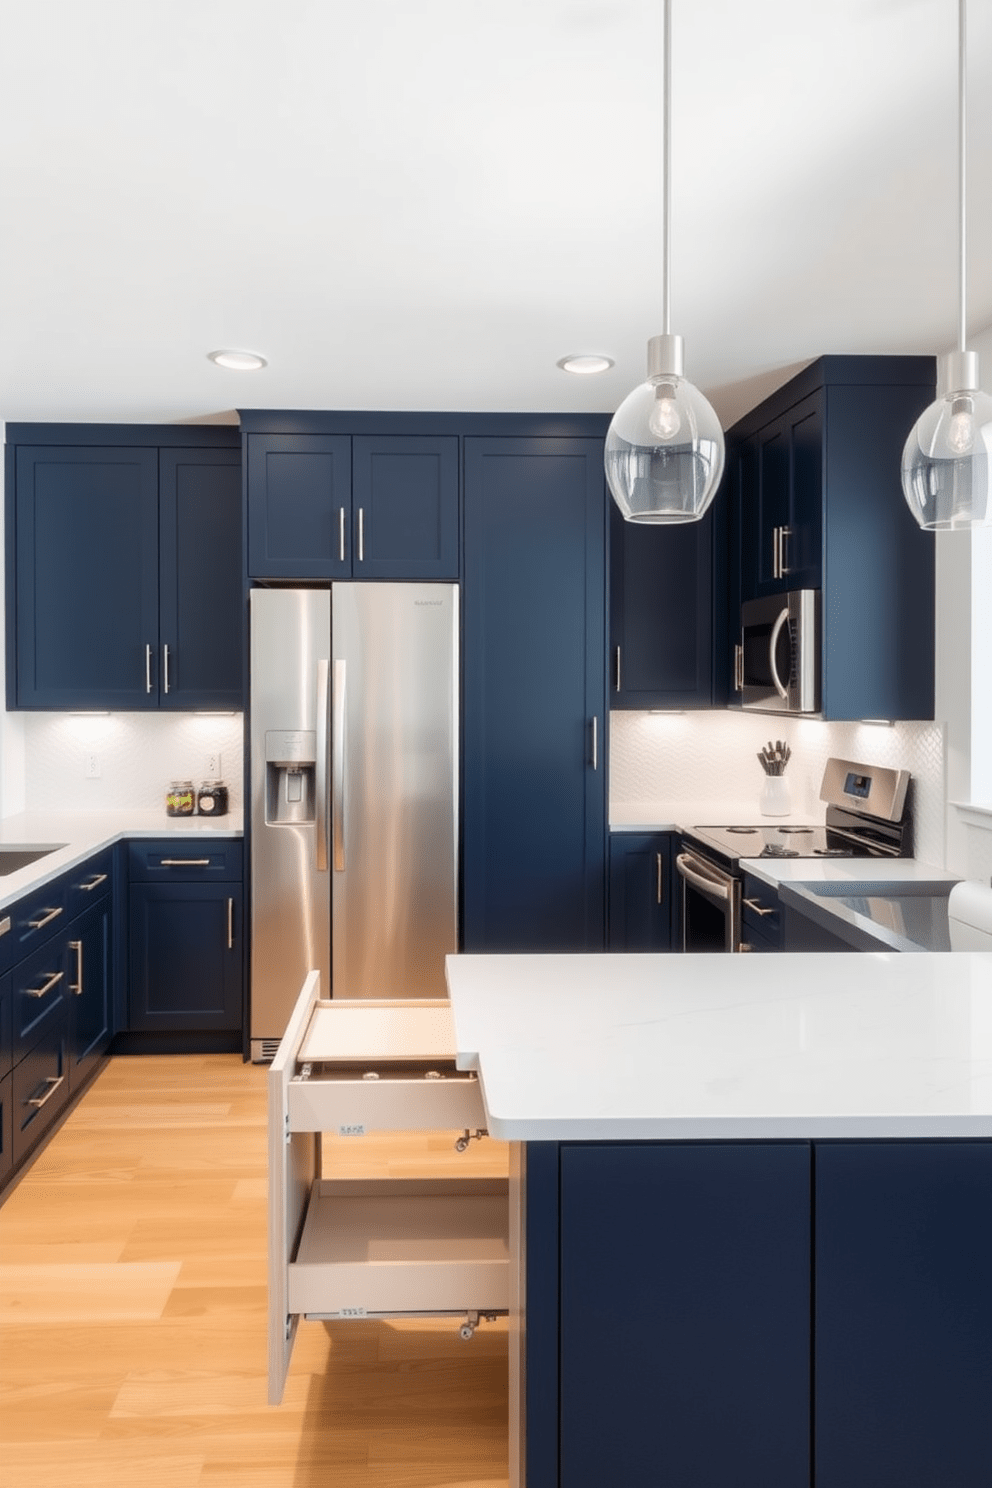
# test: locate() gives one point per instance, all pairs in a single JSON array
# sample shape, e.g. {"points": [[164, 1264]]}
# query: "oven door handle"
{"points": [[719, 890]]}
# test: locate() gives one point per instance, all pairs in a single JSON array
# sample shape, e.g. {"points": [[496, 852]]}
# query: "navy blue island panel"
{"points": [[764, 1314]]}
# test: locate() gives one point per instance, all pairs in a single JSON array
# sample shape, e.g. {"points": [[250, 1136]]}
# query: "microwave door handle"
{"points": [[772, 647], [718, 892], [323, 765]]}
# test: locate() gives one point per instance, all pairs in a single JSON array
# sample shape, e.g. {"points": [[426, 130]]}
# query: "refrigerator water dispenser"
{"points": [[290, 776]]}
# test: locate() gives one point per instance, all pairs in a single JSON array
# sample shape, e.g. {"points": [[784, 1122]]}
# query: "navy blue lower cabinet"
{"points": [[6, 1128], [903, 1320], [684, 1315], [643, 913], [534, 691], [185, 956], [90, 990]]}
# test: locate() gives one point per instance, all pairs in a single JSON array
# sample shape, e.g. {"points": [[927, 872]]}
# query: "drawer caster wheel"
{"points": [[468, 1327]]}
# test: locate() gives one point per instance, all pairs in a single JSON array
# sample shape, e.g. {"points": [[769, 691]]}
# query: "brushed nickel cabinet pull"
{"points": [[595, 742], [47, 916], [165, 668], [77, 985], [53, 1082], [5, 925], [94, 883], [738, 668], [53, 981], [184, 862], [661, 877], [758, 909], [361, 534], [230, 924], [148, 668], [618, 669], [341, 533]]}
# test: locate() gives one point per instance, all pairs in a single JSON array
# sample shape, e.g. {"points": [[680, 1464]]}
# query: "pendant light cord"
{"points": [[666, 172], [962, 227]]}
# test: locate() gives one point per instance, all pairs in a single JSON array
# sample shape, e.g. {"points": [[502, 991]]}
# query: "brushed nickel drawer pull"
{"points": [[53, 981], [184, 863], [230, 924], [148, 668], [53, 1082], [94, 883], [47, 916], [341, 533], [758, 909], [77, 985], [361, 534], [4, 925]]}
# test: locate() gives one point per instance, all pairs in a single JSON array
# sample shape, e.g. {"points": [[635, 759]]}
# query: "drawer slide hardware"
{"points": [[469, 1136]]}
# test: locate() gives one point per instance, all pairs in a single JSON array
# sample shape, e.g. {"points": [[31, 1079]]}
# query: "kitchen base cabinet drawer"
{"points": [[89, 882], [761, 914], [6, 1041], [155, 860], [39, 992], [40, 1088], [90, 991]]}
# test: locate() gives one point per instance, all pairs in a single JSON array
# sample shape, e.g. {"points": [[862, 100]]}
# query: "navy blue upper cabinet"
{"points": [[783, 503], [85, 578], [124, 570], [662, 610], [328, 506], [534, 821], [200, 597], [815, 481]]}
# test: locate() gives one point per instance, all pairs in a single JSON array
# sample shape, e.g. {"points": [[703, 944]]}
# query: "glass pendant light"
{"points": [[946, 469], [664, 447]]}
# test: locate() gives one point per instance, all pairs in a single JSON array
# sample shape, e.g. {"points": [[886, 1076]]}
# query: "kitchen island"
{"points": [[751, 1207]]}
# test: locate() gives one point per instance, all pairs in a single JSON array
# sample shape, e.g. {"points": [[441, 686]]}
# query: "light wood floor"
{"points": [[133, 1312]]}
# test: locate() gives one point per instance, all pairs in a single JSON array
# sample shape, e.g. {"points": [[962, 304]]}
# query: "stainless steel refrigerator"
{"points": [[354, 794]]}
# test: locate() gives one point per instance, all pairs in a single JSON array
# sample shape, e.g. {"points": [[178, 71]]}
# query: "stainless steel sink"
{"points": [[12, 858]]}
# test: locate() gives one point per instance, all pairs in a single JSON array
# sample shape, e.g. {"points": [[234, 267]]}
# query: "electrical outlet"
{"points": [[212, 771], [92, 767]]}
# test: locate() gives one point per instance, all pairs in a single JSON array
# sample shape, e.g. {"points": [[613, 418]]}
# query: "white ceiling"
{"points": [[422, 204]]}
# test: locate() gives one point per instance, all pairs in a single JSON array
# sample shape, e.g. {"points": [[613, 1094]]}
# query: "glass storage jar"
{"points": [[179, 798], [211, 798]]}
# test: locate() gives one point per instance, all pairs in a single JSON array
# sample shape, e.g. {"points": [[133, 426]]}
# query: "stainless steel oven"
{"points": [[778, 659], [867, 816], [711, 904]]}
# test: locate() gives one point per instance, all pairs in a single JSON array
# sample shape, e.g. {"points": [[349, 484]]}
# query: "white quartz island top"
{"points": [[77, 835], [653, 1047]]}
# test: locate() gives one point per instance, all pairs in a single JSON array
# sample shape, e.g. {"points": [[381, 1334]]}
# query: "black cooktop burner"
{"points": [[768, 841]]}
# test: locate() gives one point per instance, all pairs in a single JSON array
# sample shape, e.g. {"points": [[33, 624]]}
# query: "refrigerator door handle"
{"points": [[340, 672], [322, 770]]}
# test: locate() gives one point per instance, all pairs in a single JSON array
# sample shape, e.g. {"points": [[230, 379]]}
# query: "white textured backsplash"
{"points": [[712, 756], [138, 754]]}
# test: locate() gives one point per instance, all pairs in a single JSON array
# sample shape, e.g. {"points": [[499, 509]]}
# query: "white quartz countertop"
{"points": [[641, 1047], [679, 816], [856, 873], [77, 835]]}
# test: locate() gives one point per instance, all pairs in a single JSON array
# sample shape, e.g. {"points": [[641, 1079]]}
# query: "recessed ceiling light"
{"points": [[584, 364], [238, 361]]}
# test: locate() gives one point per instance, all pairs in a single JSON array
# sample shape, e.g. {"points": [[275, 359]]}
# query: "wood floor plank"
{"points": [[133, 1310]]}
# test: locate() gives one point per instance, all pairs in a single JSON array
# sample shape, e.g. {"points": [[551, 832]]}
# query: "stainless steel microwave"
{"points": [[778, 660]]}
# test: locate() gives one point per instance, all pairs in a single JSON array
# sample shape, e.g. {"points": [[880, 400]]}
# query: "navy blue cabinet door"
{"points": [[903, 1320], [782, 500], [201, 583], [185, 956], [642, 891], [534, 689], [685, 1315], [299, 506], [405, 505], [661, 613], [89, 974], [86, 578]]}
